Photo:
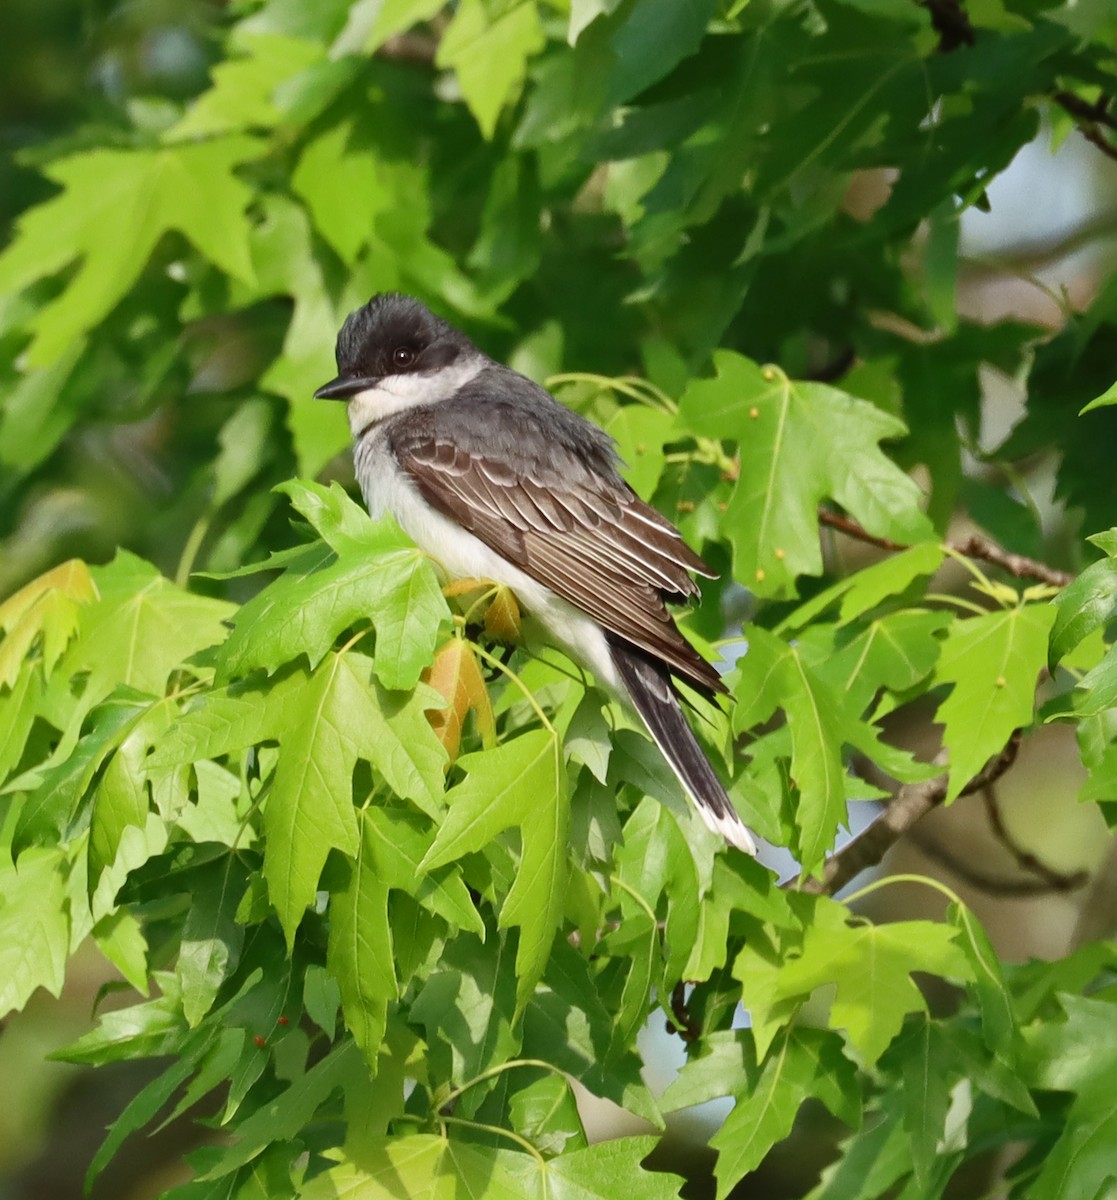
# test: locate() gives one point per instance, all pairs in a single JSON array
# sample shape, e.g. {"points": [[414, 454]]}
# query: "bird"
{"points": [[494, 479]]}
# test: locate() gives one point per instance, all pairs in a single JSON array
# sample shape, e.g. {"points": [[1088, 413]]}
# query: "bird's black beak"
{"points": [[345, 386]]}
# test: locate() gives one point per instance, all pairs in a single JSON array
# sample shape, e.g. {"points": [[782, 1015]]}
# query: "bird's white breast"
{"points": [[386, 489]]}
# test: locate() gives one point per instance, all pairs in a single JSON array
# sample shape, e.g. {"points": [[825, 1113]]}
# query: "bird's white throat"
{"points": [[395, 393]]}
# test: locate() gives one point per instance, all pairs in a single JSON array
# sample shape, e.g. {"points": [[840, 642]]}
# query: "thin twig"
{"points": [[1090, 119], [950, 22], [910, 804], [974, 546], [685, 1025], [1055, 881]]}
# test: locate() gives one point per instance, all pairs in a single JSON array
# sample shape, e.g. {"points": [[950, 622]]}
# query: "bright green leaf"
{"points": [[114, 208], [993, 662], [799, 443], [488, 43], [520, 783]]}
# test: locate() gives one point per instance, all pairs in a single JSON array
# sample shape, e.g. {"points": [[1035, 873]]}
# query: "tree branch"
{"points": [[912, 802], [1090, 119], [950, 21], [1049, 879], [975, 546]]}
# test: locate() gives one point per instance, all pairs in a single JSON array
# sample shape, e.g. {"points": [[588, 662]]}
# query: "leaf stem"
{"points": [[625, 887], [499, 1069], [190, 549], [632, 386], [925, 880], [970, 566], [958, 602], [515, 1137], [507, 671]]}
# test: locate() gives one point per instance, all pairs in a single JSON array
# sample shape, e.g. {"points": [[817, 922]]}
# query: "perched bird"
{"points": [[490, 475]]}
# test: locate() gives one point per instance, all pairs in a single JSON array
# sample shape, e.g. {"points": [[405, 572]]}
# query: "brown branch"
{"points": [[419, 48], [1043, 879], [1055, 881], [1097, 113], [685, 1025], [911, 803], [975, 546], [848, 525], [950, 22], [1090, 119]]}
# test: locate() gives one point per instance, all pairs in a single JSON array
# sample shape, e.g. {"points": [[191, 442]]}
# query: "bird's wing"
{"points": [[567, 521]]}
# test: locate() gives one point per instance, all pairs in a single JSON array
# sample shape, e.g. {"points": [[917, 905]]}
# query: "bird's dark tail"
{"points": [[655, 699]]}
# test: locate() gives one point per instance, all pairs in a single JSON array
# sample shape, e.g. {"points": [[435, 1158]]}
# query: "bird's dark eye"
{"points": [[402, 356]]}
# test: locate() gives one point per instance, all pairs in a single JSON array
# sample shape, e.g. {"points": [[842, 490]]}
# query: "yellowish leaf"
{"points": [[456, 675], [49, 606]]}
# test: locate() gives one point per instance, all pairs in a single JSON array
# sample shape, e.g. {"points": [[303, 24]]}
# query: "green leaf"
{"points": [[651, 40], [869, 968], [567, 1024], [488, 44], [141, 629], [872, 1161], [804, 1063], [331, 170], [993, 662], [121, 799], [1108, 397], [360, 947], [378, 575], [999, 1022], [928, 1074], [640, 433], [120, 939], [285, 1116], [57, 786], [114, 208], [47, 610], [775, 675], [34, 929], [141, 1109], [394, 16], [423, 1164], [1085, 605], [1096, 692], [243, 91], [150, 1029], [1078, 1056], [520, 783], [466, 1009], [399, 843], [286, 265], [310, 809], [546, 1113], [865, 589], [211, 937], [896, 652], [799, 443]]}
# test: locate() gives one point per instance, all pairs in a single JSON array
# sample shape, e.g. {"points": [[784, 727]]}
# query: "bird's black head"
{"points": [[392, 335]]}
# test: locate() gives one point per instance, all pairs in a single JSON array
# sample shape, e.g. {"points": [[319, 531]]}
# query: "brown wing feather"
{"points": [[591, 541]]}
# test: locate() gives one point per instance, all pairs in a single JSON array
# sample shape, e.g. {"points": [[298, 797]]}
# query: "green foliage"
{"points": [[389, 904]]}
